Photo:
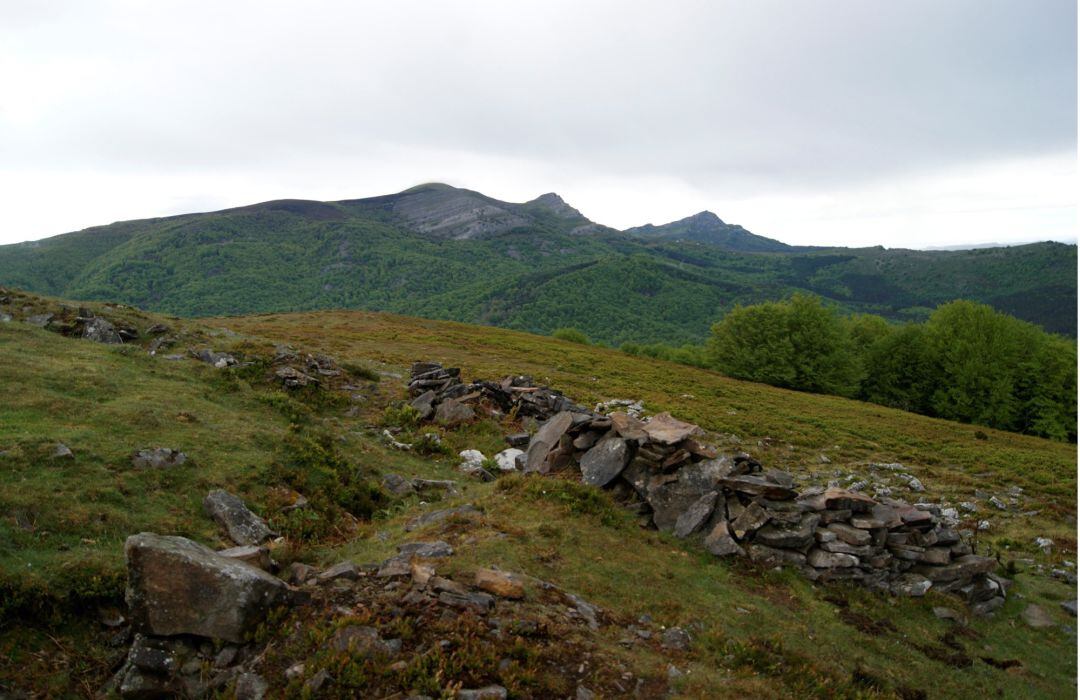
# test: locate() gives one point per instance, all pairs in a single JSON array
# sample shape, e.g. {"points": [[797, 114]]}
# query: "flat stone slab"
{"points": [[758, 486], [666, 430]]}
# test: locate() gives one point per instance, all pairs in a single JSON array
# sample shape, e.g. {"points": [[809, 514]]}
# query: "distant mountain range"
{"points": [[444, 252]]}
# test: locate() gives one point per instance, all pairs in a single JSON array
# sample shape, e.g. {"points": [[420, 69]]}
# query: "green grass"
{"points": [[757, 633]]}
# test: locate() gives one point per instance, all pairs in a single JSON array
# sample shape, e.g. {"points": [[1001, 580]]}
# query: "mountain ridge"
{"points": [[445, 252]]}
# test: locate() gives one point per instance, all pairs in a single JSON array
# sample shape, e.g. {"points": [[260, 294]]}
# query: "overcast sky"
{"points": [[851, 122]]}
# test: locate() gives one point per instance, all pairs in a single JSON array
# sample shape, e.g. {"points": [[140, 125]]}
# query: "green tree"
{"points": [[798, 344]]}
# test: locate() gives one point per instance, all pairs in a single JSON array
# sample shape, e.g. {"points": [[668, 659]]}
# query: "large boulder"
{"points": [[242, 526], [176, 586]]}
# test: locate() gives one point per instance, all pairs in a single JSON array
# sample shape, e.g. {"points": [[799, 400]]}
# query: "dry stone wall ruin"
{"points": [[730, 503]]}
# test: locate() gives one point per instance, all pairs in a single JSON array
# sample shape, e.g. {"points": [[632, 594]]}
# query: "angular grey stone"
{"points": [[1069, 606], [242, 526], [423, 404], [911, 584], [675, 639], [752, 518], [773, 556], [158, 458], [788, 536], [491, 692], [839, 547], [696, 515], [820, 559], [604, 461], [342, 570], [719, 541], [176, 586], [255, 555], [849, 534], [758, 486], [452, 412], [101, 331], [545, 440], [960, 568], [397, 484], [468, 510], [426, 550]]}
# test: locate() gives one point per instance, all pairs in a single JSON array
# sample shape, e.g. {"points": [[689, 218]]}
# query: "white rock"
{"points": [[983, 526], [1044, 543], [507, 459], [471, 460]]}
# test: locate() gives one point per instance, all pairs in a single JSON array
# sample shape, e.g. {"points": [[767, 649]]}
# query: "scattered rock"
{"points": [[507, 459], [675, 639], [62, 451], [491, 692], [1035, 616], [500, 583], [158, 458], [346, 570], [1069, 606], [435, 516], [254, 555], [242, 526]]}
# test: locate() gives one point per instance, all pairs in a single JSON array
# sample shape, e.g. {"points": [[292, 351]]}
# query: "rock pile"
{"points": [[439, 393], [737, 508], [731, 504]]}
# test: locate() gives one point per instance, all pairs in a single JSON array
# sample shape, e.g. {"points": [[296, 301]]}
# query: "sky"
{"points": [[835, 122]]}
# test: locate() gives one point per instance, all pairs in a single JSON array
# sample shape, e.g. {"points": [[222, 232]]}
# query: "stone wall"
{"points": [[730, 504]]}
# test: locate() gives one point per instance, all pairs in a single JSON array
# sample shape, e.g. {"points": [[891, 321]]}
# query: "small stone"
{"points": [[62, 451], [501, 583], [945, 613], [1035, 616], [997, 503], [427, 550], [507, 459], [720, 543], [242, 526], [491, 692], [675, 639], [1069, 606], [316, 682], [1044, 543], [344, 570], [820, 559], [911, 585], [983, 526], [250, 554]]}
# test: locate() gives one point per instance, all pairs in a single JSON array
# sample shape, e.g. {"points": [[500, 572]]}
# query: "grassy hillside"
{"points": [[536, 267], [757, 633]]}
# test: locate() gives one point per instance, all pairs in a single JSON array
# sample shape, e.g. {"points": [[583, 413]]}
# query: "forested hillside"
{"points": [[446, 253]]}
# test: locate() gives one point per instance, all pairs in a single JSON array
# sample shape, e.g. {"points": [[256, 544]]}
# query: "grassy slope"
{"points": [[105, 402], [633, 572]]}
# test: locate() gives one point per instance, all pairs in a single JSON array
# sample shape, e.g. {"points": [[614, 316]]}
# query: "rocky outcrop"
{"points": [[177, 586]]}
